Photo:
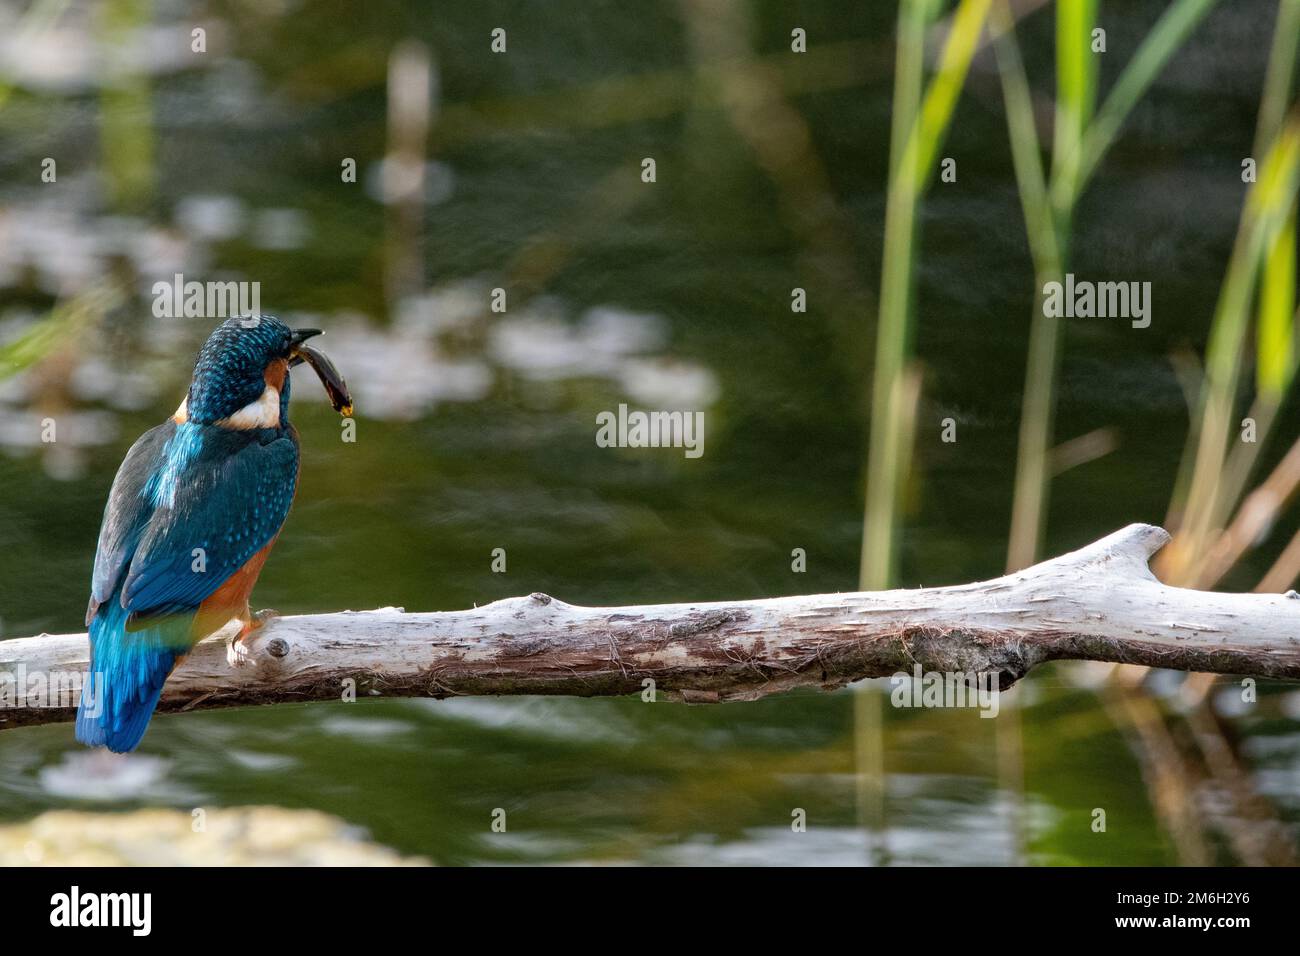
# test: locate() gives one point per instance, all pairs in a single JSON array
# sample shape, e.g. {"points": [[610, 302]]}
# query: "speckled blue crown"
{"points": [[230, 368]]}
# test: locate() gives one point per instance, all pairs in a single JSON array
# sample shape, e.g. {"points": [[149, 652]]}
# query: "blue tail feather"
{"points": [[127, 673]]}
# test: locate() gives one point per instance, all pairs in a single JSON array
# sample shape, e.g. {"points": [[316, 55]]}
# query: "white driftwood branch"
{"points": [[1098, 603]]}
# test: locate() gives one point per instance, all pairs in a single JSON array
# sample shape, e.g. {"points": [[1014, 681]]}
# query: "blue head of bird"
{"points": [[241, 377]]}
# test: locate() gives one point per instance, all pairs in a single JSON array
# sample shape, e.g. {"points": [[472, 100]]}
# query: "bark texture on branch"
{"points": [[1098, 603]]}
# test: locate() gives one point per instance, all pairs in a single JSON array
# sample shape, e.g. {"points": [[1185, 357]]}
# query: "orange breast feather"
{"points": [[231, 599]]}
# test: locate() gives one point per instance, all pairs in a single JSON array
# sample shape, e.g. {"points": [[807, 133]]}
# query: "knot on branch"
{"points": [[961, 651]]}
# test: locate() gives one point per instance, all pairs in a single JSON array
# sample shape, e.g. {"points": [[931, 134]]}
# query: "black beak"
{"points": [[302, 335], [329, 376]]}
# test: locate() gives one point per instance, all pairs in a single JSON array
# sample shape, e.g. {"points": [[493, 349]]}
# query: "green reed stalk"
{"points": [[1081, 140]]}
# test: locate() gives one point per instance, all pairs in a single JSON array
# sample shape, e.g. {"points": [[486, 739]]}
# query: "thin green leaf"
{"points": [[1275, 344], [1170, 32]]}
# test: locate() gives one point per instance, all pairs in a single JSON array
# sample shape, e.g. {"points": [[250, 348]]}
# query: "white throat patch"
{"points": [[263, 413]]}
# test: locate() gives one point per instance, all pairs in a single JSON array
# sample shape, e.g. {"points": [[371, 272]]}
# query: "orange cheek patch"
{"points": [[275, 374]]}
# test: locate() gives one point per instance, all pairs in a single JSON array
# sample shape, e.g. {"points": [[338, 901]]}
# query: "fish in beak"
{"points": [[329, 376]]}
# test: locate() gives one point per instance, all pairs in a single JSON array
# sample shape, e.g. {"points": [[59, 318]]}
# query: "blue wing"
{"points": [[125, 514], [218, 498]]}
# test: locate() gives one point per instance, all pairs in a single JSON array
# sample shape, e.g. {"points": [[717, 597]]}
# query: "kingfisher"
{"points": [[191, 516]]}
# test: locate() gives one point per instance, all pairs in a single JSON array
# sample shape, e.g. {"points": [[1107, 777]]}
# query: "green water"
{"points": [[475, 431]]}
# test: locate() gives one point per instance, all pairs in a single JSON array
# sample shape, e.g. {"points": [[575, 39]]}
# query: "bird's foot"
{"points": [[238, 653]]}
